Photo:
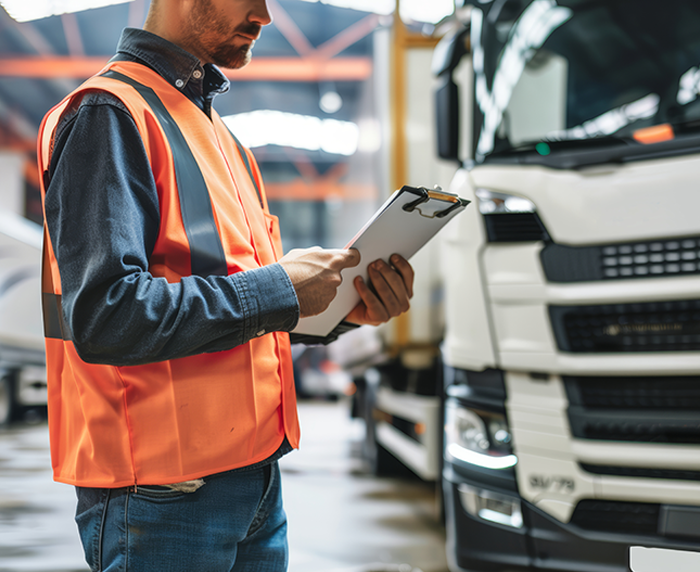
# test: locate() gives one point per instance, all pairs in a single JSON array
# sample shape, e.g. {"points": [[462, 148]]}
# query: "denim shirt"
{"points": [[103, 216]]}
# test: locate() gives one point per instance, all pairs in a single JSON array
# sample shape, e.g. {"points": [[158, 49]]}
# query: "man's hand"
{"points": [[393, 288], [315, 275]]}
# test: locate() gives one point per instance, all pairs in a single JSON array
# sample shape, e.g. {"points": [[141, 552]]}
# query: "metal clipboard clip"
{"points": [[425, 195]]}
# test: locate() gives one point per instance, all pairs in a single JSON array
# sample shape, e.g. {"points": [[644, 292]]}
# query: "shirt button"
{"points": [[196, 74], [179, 83], [260, 333]]}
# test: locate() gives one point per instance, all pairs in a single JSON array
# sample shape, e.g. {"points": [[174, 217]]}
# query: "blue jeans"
{"points": [[234, 523]]}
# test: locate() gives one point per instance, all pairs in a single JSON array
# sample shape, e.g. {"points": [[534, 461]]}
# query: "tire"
{"points": [[382, 463], [7, 399], [386, 465]]}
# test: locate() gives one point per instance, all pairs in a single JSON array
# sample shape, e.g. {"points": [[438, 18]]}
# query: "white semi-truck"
{"points": [[572, 346], [22, 358], [570, 392]]}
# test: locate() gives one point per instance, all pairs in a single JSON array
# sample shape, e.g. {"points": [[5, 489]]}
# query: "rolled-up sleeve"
{"points": [[103, 218]]}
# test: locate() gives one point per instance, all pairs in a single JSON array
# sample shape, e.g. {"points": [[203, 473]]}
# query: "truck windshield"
{"points": [[568, 74]]}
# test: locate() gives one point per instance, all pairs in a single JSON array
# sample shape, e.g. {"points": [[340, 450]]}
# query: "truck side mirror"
{"points": [[447, 119], [448, 53]]}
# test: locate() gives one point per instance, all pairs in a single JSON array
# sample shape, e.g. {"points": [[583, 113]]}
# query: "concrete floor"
{"points": [[341, 519]]}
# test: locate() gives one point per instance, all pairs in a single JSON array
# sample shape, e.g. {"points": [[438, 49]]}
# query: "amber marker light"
{"points": [[654, 134]]}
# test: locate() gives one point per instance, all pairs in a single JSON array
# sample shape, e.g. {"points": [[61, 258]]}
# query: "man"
{"points": [[167, 301]]}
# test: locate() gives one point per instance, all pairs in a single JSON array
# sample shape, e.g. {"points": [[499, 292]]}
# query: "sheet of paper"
{"points": [[391, 230]]}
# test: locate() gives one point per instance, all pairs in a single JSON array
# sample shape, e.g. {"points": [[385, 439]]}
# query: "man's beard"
{"points": [[235, 57], [217, 43]]}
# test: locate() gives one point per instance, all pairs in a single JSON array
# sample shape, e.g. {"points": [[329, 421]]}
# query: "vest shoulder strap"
{"points": [[206, 251], [244, 156]]}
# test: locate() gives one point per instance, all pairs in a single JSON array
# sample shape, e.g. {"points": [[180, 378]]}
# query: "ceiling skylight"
{"points": [[417, 10], [269, 127], [25, 10]]}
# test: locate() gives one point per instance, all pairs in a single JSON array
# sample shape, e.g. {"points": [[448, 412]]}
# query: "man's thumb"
{"points": [[352, 258]]}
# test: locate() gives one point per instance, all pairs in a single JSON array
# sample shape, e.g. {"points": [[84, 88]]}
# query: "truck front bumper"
{"points": [[531, 540]]}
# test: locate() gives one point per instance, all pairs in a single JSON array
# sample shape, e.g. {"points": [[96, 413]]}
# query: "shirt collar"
{"points": [[177, 66]]}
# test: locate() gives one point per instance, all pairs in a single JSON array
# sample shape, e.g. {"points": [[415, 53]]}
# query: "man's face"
{"points": [[224, 31]]}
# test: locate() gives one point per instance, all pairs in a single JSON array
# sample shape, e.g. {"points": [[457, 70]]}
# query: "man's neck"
{"points": [[168, 25]]}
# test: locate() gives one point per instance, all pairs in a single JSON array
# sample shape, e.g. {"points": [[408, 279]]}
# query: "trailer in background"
{"points": [[22, 356], [396, 367]]}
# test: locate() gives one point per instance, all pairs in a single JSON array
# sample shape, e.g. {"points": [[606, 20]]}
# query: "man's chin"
{"points": [[235, 61], [245, 61]]}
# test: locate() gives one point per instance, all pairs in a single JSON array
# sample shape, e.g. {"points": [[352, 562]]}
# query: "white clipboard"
{"points": [[403, 224]]}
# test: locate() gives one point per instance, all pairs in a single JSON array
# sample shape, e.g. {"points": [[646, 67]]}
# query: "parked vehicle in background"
{"points": [[317, 375], [22, 361], [399, 383], [572, 290]]}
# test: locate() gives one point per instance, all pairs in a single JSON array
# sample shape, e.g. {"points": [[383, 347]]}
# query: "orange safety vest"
{"points": [[186, 418]]}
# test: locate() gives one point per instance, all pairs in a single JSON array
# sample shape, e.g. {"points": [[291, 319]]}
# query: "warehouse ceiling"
{"points": [[311, 47]]}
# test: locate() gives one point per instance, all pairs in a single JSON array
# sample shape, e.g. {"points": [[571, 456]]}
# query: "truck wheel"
{"points": [[385, 464], [7, 399], [382, 463]]}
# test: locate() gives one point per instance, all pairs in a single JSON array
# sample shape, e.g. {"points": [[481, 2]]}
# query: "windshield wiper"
{"points": [[545, 147], [686, 127], [578, 153]]}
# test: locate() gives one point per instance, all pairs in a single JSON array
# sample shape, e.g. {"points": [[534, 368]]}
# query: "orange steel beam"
{"points": [[319, 190], [304, 69], [260, 69]]}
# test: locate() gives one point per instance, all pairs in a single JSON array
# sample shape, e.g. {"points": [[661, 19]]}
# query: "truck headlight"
{"points": [[510, 218], [491, 202], [479, 438]]}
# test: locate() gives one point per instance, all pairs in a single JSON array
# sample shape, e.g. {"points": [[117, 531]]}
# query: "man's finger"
{"points": [[347, 258], [354, 257], [406, 270], [390, 295], [376, 312], [395, 282]]}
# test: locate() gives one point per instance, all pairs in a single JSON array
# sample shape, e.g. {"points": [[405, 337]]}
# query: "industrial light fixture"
{"points": [[329, 100], [24, 10], [270, 127]]}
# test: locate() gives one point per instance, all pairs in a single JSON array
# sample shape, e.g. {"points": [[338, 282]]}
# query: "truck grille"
{"points": [[642, 410], [640, 473], [634, 393], [621, 261], [616, 516], [514, 227], [636, 428], [620, 328]]}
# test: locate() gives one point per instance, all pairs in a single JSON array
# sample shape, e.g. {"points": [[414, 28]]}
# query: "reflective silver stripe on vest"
{"points": [[55, 326], [206, 252]]}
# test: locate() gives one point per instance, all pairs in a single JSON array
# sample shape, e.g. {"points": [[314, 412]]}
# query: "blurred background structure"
{"points": [[541, 399], [315, 107]]}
